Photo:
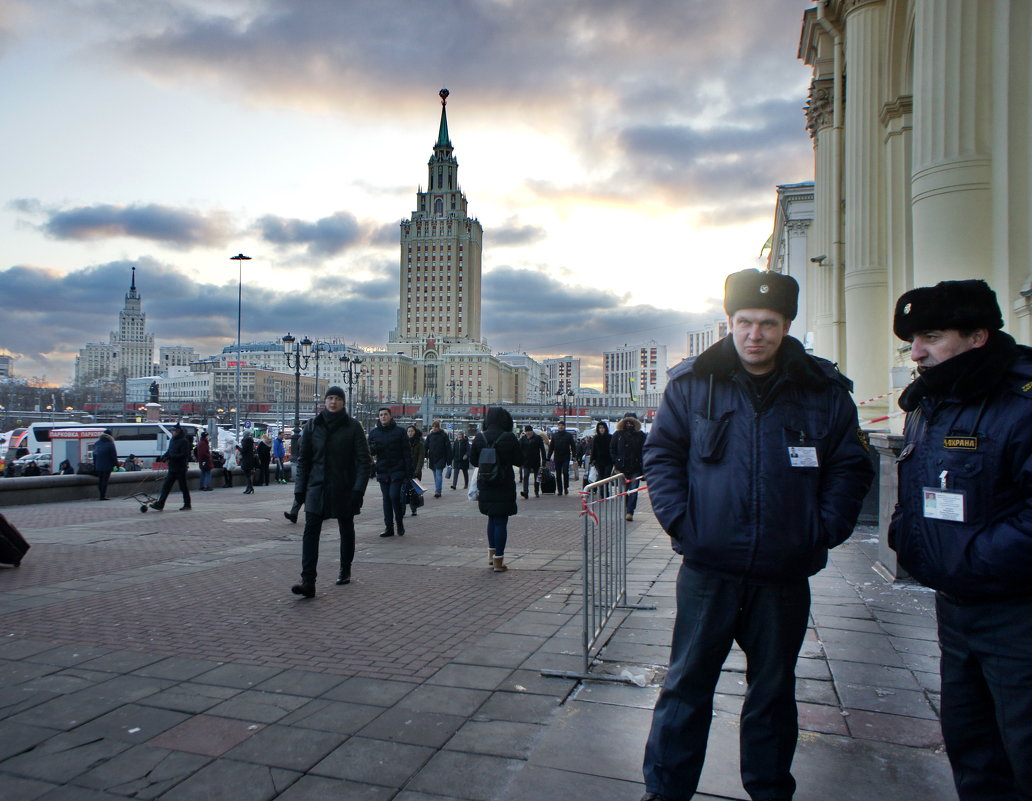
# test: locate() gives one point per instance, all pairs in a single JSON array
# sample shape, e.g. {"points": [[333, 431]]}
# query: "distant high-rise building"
{"points": [[564, 375], [170, 356], [701, 338], [129, 353], [6, 366]]}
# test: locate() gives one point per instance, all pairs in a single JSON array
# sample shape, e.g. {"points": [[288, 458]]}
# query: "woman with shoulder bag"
{"points": [[495, 452]]}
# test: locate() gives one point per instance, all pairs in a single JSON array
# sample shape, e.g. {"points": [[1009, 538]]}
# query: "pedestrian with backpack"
{"points": [[495, 453]]}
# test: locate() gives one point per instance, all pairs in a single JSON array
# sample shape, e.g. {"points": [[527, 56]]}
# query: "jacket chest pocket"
{"points": [[803, 445], [967, 472], [710, 437]]}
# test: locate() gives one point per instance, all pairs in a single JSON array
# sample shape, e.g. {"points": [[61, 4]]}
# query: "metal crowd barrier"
{"points": [[604, 567]]}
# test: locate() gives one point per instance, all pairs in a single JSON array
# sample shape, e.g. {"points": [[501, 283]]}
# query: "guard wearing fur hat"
{"points": [[331, 475], [963, 524], [755, 470]]}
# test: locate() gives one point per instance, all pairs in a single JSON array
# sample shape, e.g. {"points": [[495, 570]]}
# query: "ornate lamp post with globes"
{"points": [[351, 370], [301, 353]]}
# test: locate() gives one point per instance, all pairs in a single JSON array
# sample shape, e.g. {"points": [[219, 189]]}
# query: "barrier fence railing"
{"points": [[604, 566]]}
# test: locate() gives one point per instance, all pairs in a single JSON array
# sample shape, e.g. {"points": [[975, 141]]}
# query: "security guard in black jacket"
{"points": [[963, 525]]}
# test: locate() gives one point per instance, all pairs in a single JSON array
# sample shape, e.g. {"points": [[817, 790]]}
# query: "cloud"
{"points": [[511, 233], [177, 227], [539, 314], [57, 314], [326, 237]]}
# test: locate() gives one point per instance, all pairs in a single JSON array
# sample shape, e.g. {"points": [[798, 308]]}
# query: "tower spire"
{"points": [[443, 140], [132, 286]]}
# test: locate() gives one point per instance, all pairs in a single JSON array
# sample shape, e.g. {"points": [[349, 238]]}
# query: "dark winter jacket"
{"points": [[562, 447], [264, 453], [178, 453], [390, 448], [460, 452], [332, 469], [438, 449], [626, 446], [601, 457], [499, 499], [418, 454], [247, 454], [203, 451], [105, 454], [720, 473], [970, 416], [532, 449]]}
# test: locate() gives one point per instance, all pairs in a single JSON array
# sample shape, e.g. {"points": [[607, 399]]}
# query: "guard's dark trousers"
{"points": [[769, 623], [987, 697]]}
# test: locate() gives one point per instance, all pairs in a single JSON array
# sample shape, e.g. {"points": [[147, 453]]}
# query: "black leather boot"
{"points": [[305, 588]]}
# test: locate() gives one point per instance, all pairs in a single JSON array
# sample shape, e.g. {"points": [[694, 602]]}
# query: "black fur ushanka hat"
{"points": [[963, 305]]}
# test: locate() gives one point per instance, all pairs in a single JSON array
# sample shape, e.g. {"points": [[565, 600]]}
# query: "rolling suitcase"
{"points": [[12, 544], [547, 481]]}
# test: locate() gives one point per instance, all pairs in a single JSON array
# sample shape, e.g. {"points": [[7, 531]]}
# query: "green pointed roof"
{"points": [[443, 140]]}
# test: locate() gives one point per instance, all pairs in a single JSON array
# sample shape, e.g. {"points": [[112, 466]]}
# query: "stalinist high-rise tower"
{"points": [[441, 248], [436, 349]]}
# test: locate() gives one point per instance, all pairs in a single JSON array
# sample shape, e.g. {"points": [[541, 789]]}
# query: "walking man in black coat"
{"points": [[390, 448], [561, 448], [178, 458], [532, 454], [332, 472]]}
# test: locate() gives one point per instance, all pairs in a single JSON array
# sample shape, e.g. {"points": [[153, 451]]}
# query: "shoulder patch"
{"points": [[1027, 388]]}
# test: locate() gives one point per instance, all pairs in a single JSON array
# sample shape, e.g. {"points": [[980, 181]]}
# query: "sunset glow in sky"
{"points": [[622, 158]]}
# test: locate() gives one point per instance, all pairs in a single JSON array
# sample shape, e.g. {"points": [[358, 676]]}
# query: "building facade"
{"points": [[6, 366], [919, 117], [635, 371], [701, 338], [564, 375]]}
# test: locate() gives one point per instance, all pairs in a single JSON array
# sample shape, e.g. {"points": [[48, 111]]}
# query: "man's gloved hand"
{"points": [[356, 503]]}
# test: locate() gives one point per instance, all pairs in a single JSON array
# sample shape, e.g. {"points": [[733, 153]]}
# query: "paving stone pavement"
{"points": [[162, 656]]}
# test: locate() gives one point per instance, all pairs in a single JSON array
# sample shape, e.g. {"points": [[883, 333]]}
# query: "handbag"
{"points": [[413, 496], [473, 493], [447, 472]]}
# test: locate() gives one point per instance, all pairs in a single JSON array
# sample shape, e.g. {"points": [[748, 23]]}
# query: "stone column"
{"points": [[824, 238], [1012, 164], [866, 271], [953, 121]]}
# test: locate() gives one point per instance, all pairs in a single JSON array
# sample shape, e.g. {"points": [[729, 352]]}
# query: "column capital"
{"points": [[820, 106]]}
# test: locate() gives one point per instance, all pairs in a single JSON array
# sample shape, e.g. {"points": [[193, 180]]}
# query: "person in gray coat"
{"points": [[332, 472]]}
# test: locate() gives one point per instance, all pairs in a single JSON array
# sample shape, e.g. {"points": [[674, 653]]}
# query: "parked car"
{"points": [[41, 459]]}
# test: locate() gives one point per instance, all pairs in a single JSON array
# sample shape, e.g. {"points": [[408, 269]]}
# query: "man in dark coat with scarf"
{"points": [[755, 469], [332, 472], [963, 525], [105, 459]]}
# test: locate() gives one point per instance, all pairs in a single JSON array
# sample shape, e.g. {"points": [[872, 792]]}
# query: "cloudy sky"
{"points": [[621, 156]]}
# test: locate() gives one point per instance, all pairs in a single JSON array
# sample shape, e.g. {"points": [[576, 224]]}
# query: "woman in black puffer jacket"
{"points": [[496, 482]]}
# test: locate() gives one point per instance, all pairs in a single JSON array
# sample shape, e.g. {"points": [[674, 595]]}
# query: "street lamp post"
{"points": [[349, 366], [302, 352], [239, 258], [561, 397]]}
